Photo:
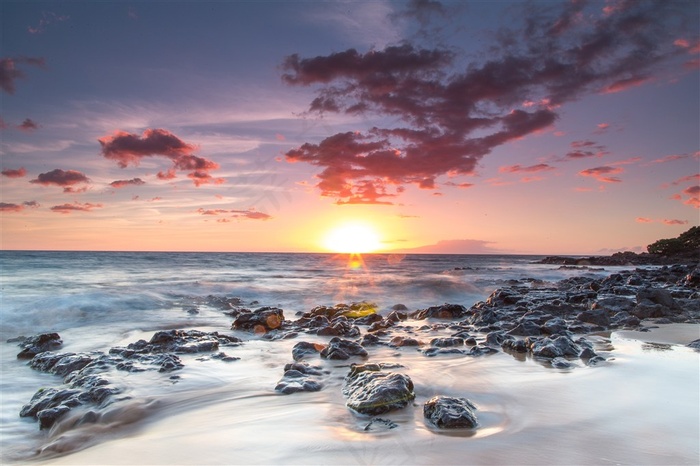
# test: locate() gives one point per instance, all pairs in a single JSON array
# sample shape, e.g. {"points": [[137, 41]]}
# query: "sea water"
{"points": [[640, 407]]}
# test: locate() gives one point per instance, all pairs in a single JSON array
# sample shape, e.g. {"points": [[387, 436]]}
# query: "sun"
{"points": [[352, 238]]}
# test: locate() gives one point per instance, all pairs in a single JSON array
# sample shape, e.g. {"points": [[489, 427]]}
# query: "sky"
{"points": [[567, 127]]}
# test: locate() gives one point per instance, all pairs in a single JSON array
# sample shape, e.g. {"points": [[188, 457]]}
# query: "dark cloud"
{"points": [[674, 222], [541, 167], [75, 207], [66, 179], [124, 183], [128, 149], [28, 125], [585, 149], [448, 116], [21, 172], [8, 207], [603, 173], [250, 214], [693, 194], [9, 71]]}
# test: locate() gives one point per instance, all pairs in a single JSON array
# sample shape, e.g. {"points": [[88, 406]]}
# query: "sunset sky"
{"points": [[456, 127]]}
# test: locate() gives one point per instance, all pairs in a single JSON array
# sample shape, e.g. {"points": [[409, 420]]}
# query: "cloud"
{"points": [[602, 173], [66, 179], [21, 172], [693, 194], [447, 116], [9, 208], [9, 72], [47, 18], [455, 246], [28, 125], [668, 158], [585, 149], [542, 167], [75, 207], [128, 149], [250, 214], [124, 183], [665, 221], [458, 185]]}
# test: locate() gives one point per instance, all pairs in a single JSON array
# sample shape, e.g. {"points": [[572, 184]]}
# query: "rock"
{"points": [[446, 311], [519, 346], [614, 304], [650, 310], [436, 351], [373, 393], [39, 344], [342, 349], [656, 296], [595, 317], [261, 320], [695, 344], [299, 378], [561, 363], [400, 341], [554, 326], [445, 342], [60, 363], [303, 349], [379, 424], [554, 347], [448, 412], [526, 328]]}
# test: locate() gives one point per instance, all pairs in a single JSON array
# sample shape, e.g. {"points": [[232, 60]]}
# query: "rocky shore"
{"points": [[551, 322]]}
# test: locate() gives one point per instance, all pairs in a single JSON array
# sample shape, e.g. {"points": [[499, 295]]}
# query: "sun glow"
{"points": [[352, 238]]}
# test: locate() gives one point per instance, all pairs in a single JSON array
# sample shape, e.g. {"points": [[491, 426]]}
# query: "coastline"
{"points": [[529, 346]]}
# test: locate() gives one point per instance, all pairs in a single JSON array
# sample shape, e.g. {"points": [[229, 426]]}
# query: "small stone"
{"points": [[447, 412]]}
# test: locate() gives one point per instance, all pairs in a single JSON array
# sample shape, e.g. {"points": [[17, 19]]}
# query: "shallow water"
{"points": [[640, 407]]}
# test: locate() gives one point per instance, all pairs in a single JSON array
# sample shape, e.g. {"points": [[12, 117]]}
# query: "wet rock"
{"points": [[650, 310], [39, 344], [695, 344], [614, 304], [480, 350], [445, 342], [178, 341], [61, 363], [595, 317], [554, 347], [447, 412], [562, 363], [554, 326], [436, 351], [379, 424], [342, 349], [399, 341], [446, 311], [261, 320], [304, 349], [526, 328], [646, 296], [299, 377], [518, 346], [373, 392]]}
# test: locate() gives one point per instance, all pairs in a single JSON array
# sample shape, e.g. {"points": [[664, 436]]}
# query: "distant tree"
{"points": [[686, 243]]}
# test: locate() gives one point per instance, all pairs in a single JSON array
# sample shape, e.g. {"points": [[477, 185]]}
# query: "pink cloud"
{"points": [[695, 178], [603, 173], [643, 220], [693, 194], [459, 185], [9, 71], [531, 169], [124, 183], [66, 179], [10, 208], [250, 214], [585, 149], [674, 222], [21, 172], [668, 158], [28, 125], [75, 207], [625, 84], [449, 116], [128, 149]]}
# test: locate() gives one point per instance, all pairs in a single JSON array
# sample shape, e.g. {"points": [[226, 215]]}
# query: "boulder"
{"points": [[447, 412], [342, 349], [446, 311], [261, 320], [595, 317], [374, 392], [39, 344]]}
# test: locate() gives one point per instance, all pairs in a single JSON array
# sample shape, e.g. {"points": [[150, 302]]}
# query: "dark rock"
{"points": [[554, 347], [561, 363], [446, 311], [60, 363], [448, 412], [378, 424], [480, 350], [526, 328], [436, 351], [373, 393], [342, 349], [303, 349], [518, 346], [614, 304], [659, 296], [39, 344], [445, 342], [554, 326], [595, 317], [299, 378], [695, 344], [369, 339], [650, 310], [261, 320], [399, 341]]}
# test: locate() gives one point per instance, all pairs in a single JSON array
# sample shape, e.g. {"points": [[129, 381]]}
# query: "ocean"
{"points": [[640, 407]]}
